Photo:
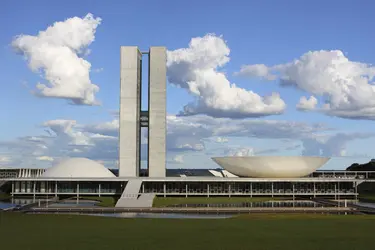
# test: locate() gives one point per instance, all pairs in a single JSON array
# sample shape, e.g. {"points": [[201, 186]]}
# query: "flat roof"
{"points": [[189, 179]]}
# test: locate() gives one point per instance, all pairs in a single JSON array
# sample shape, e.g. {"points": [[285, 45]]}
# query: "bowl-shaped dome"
{"points": [[271, 166], [78, 168]]}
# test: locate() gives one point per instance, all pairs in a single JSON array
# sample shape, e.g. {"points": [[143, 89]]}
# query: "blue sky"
{"points": [[267, 33]]}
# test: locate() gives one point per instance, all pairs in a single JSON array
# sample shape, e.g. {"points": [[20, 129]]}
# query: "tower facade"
{"points": [[132, 118]]}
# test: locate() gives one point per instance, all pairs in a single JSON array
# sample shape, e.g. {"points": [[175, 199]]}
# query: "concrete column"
{"points": [[251, 189], [165, 189], [34, 188], [208, 190], [130, 101], [335, 192], [314, 190], [12, 188], [356, 190], [272, 189], [100, 189], [293, 190], [77, 192], [157, 111], [186, 190], [55, 189], [143, 188], [229, 190]]}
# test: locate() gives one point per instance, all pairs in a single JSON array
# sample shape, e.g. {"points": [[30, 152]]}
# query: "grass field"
{"points": [[162, 202], [4, 196], [103, 201], [302, 232], [367, 197]]}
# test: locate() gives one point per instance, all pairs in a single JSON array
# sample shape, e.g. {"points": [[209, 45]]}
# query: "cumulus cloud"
{"points": [[331, 145], [257, 70], [177, 159], [5, 161], [307, 103], [346, 87], [221, 139], [185, 135], [196, 69], [244, 151], [45, 158], [56, 54]]}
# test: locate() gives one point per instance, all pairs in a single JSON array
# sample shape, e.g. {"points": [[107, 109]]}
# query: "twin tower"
{"points": [[132, 118]]}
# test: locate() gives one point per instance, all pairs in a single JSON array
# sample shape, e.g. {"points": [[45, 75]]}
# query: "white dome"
{"points": [[271, 166], [78, 168]]}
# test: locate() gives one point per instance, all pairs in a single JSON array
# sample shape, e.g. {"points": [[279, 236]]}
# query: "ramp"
{"points": [[146, 200], [131, 197], [131, 190]]}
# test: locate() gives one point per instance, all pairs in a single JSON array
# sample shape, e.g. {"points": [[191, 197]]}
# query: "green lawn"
{"points": [[300, 232], [162, 202], [367, 197], [104, 201], [4, 196]]}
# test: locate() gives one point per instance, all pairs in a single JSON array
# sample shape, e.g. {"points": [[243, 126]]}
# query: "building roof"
{"points": [[78, 168]]}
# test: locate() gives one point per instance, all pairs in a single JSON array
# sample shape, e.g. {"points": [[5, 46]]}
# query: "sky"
{"points": [[245, 78]]}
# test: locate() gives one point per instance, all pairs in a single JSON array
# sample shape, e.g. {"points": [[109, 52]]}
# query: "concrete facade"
{"points": [[130, 102], [130, 112], [194, 186], [157, 112]]}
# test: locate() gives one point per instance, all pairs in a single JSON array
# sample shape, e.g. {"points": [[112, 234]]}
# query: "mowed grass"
{"points": [[302, 232], [367, 197], [166, 201], [4, 196], [104, 201]]}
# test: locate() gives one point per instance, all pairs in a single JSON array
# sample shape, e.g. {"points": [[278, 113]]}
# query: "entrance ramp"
{"points": [[132, 198], [131, 190]]}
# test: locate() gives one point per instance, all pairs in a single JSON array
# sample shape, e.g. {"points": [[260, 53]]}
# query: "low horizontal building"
{"points": [[78, 177]]}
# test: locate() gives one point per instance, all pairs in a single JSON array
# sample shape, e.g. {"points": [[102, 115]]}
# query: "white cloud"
{"points": [[347, 87], [331, 145], [244, 151], [185, 135], [257, 70], [55, 54], [5, 161], [221, 139], [307, 103], [177, 159], [196, 69], [45, 158]]}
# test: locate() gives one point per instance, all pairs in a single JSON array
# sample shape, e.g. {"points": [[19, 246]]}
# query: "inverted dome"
{"points": [[78, 168], [271, 166]]}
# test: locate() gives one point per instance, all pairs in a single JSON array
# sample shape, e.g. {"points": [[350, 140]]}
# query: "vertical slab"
{"points": [[157, 111], [130, 101]]}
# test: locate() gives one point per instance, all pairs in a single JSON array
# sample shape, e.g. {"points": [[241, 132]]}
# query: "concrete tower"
{"points": [[132, 118]]}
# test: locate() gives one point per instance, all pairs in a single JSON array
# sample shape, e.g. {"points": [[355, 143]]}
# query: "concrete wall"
{"points": [[130, 83], [157, 111]]}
